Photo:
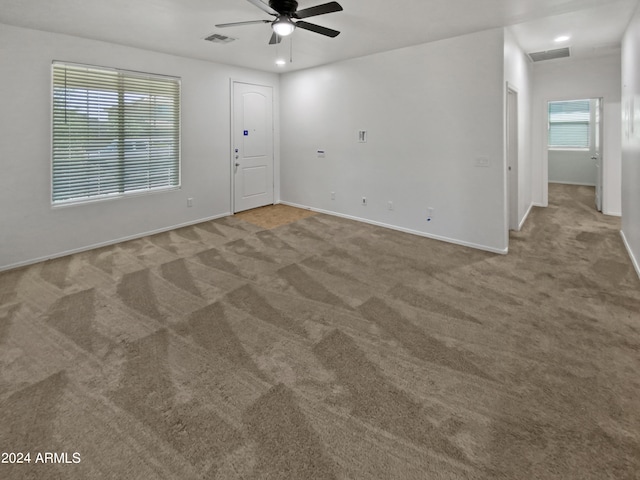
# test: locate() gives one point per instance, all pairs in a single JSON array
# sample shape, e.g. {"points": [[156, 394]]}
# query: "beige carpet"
{"points": [[328, 349], [273, 216]]}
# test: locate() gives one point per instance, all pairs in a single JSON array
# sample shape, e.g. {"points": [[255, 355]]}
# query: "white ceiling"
{"points": [[368, 26]]}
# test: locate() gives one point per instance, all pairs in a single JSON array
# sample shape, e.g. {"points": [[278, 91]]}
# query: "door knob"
{"points": [[237, 164]]}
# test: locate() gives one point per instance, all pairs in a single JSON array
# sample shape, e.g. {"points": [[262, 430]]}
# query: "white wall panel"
{"points": [[30, 229], [631, 139], [518, 75], [430, 112]]}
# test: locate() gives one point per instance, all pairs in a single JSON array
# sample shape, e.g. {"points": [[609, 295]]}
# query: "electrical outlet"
{"points": [[390, 206], [190, 202], [364, 201], [333, 195]]}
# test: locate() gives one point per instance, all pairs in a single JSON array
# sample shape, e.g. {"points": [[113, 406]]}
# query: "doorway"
{"points": [[252, 146], [575, 144]]}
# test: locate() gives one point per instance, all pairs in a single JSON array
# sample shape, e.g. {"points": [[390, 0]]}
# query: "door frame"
{"points": [[545, 142], [232, 183], [513, 175], [599, 152]]}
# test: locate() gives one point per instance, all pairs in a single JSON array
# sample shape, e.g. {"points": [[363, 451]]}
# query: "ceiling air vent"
{"points": [[215, 38], [550, 54]]}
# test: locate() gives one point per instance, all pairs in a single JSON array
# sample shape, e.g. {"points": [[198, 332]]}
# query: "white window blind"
{"points": [[569, 124], [115, 132]]}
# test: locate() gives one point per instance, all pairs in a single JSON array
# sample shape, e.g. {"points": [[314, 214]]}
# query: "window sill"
{"points": [[112, 196]]}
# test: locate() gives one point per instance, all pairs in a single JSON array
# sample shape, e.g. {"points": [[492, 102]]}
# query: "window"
{"points": [[569, 124], [114, 133]]}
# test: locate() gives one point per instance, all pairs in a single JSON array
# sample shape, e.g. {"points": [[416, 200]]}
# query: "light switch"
{"points": [[482, 162]]}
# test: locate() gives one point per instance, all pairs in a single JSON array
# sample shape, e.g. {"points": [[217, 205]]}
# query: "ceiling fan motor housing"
{"points": [[284, 7]]}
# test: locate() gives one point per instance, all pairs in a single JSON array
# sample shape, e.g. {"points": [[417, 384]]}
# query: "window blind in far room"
{"points": [[115, 133], [569, 124]]}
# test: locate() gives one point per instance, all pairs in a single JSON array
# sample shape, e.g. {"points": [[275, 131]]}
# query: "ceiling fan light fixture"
{"points": [[283, 26]]}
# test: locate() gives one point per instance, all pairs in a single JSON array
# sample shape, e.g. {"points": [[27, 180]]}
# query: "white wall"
{"points": [[30, 229], [571, 79], [518, 75], [574, 167], [430, 112], [631, 139]]}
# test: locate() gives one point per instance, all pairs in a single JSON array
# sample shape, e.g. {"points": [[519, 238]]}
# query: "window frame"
{"points": [[122, 139]]}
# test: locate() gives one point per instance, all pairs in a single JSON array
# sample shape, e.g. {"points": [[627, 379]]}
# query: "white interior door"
{"points": [[597, 156], [252, 167], [512, 158]]}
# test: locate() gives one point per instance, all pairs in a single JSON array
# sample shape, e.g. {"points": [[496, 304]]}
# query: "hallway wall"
{"points": [[571, 80]]}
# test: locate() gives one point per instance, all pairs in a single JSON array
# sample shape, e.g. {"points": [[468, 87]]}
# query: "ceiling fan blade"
{"points": [[264, 7], [275, 39], [318, 10], [318, 29], [238, 24]]}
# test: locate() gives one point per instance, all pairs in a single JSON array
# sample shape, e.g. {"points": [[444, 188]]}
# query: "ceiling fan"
{"points": [[285, 12]]}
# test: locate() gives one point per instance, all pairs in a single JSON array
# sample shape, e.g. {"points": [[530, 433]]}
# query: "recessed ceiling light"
{"points": [[281, 63], [562, 38]]}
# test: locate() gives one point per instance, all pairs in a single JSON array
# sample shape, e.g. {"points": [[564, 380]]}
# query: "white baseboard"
{"points": [[106, 244], [574, 183], [634, 260], [524, 218], [401, 229]]}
